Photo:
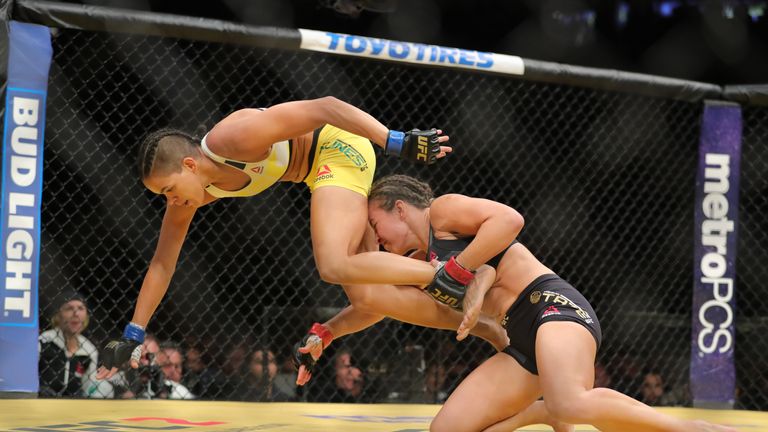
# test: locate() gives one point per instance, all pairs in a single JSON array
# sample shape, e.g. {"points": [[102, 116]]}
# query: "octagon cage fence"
{"points": [[602, 165]]}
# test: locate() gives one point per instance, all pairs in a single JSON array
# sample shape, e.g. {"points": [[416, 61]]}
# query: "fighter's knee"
{"points": [[331, 270], [440, 424], [567, 410], [363, 297], [453, 423]]}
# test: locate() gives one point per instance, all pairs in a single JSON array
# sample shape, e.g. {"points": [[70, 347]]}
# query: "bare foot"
{"points": [[472, 305], [703, 426]]}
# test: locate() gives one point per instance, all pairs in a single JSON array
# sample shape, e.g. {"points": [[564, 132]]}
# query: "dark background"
{"points": [[722, 42]]}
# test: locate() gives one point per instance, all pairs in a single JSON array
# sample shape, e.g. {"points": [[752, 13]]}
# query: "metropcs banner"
{"points": [[29, 59], [713, 371]]}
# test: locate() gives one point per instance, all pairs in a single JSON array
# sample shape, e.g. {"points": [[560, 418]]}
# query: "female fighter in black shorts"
{"points": [[554, 333]]}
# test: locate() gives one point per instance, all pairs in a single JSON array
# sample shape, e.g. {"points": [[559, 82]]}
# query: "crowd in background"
{"points": [[246, 371]]}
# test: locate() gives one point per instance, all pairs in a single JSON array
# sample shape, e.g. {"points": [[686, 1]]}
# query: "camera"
{"points": [[148, 381]]}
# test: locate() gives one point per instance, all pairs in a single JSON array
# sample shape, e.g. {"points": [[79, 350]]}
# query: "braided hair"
{"points": [[161, 151], [387, 190]]}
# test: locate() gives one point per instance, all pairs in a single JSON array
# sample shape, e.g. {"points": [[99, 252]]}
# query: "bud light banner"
{"points": [[713, 375], [29, 58]]}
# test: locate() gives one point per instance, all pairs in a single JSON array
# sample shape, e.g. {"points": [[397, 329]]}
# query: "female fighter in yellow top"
{"points": [[325, 143], [554, 332]]}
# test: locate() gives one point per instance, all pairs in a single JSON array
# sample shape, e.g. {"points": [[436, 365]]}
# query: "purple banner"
{"points": [[713, 372]]}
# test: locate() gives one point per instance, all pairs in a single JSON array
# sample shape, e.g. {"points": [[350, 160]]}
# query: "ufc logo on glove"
{"points": [[423, 149], [444, 298]]}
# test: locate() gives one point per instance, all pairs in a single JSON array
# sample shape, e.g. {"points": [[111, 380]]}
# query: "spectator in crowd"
{"points": [[348, 381], [158, 375], [145, 381], [343, 383], [405, 370], [652, 389], [257, 384], [285, 381], [68, 359], [456, 368], [658, 390], [435, 383], [235, 359], [170, 361], [200, 377], [232, 368], [626, 374]]}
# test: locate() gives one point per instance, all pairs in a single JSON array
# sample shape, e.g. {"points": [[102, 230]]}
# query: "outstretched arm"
{"points": [[248, 134], [172, 234]]}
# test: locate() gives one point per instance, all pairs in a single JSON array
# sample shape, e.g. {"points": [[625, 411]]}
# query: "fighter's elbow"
{"points": [[329, 100], [512, 220]]}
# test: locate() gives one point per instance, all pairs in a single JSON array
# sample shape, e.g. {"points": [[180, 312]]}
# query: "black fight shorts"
{"points": [[547, 298]]}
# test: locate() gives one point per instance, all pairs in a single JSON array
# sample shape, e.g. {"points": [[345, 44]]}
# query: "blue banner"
{"points": [[713, 372], [29, 59]]}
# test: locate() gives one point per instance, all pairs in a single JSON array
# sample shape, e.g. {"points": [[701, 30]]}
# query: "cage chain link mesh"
{"points": [[604, 180], [751, 270]]}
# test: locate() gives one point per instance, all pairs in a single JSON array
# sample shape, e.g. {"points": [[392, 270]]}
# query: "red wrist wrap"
{"points": [[456, 271], [323, 332]]}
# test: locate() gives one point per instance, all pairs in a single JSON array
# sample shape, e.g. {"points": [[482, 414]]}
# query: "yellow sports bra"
{"points": [[263, 173]]}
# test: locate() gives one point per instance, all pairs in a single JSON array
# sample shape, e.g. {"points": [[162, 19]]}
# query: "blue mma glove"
{"points": [[117, 353], [416, 145]]}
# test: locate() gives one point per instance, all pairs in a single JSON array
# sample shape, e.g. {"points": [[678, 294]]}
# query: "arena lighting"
{"points": [[756, 11], [622, 14], [580, 25], [354, 7], [666, 8], [583, 17]]}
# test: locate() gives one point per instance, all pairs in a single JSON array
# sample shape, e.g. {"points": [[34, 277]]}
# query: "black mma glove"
{"points": [[416, 145], [117, 353], [318, 334], [450, 283]]}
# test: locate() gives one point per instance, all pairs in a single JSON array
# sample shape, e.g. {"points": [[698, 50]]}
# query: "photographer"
{"points": [[170, 361], [157, 375], [144, 382]]}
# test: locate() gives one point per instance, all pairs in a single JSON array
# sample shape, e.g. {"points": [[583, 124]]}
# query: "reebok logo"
{"points": [[323, 173], [323, 170], [550, 311]]}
